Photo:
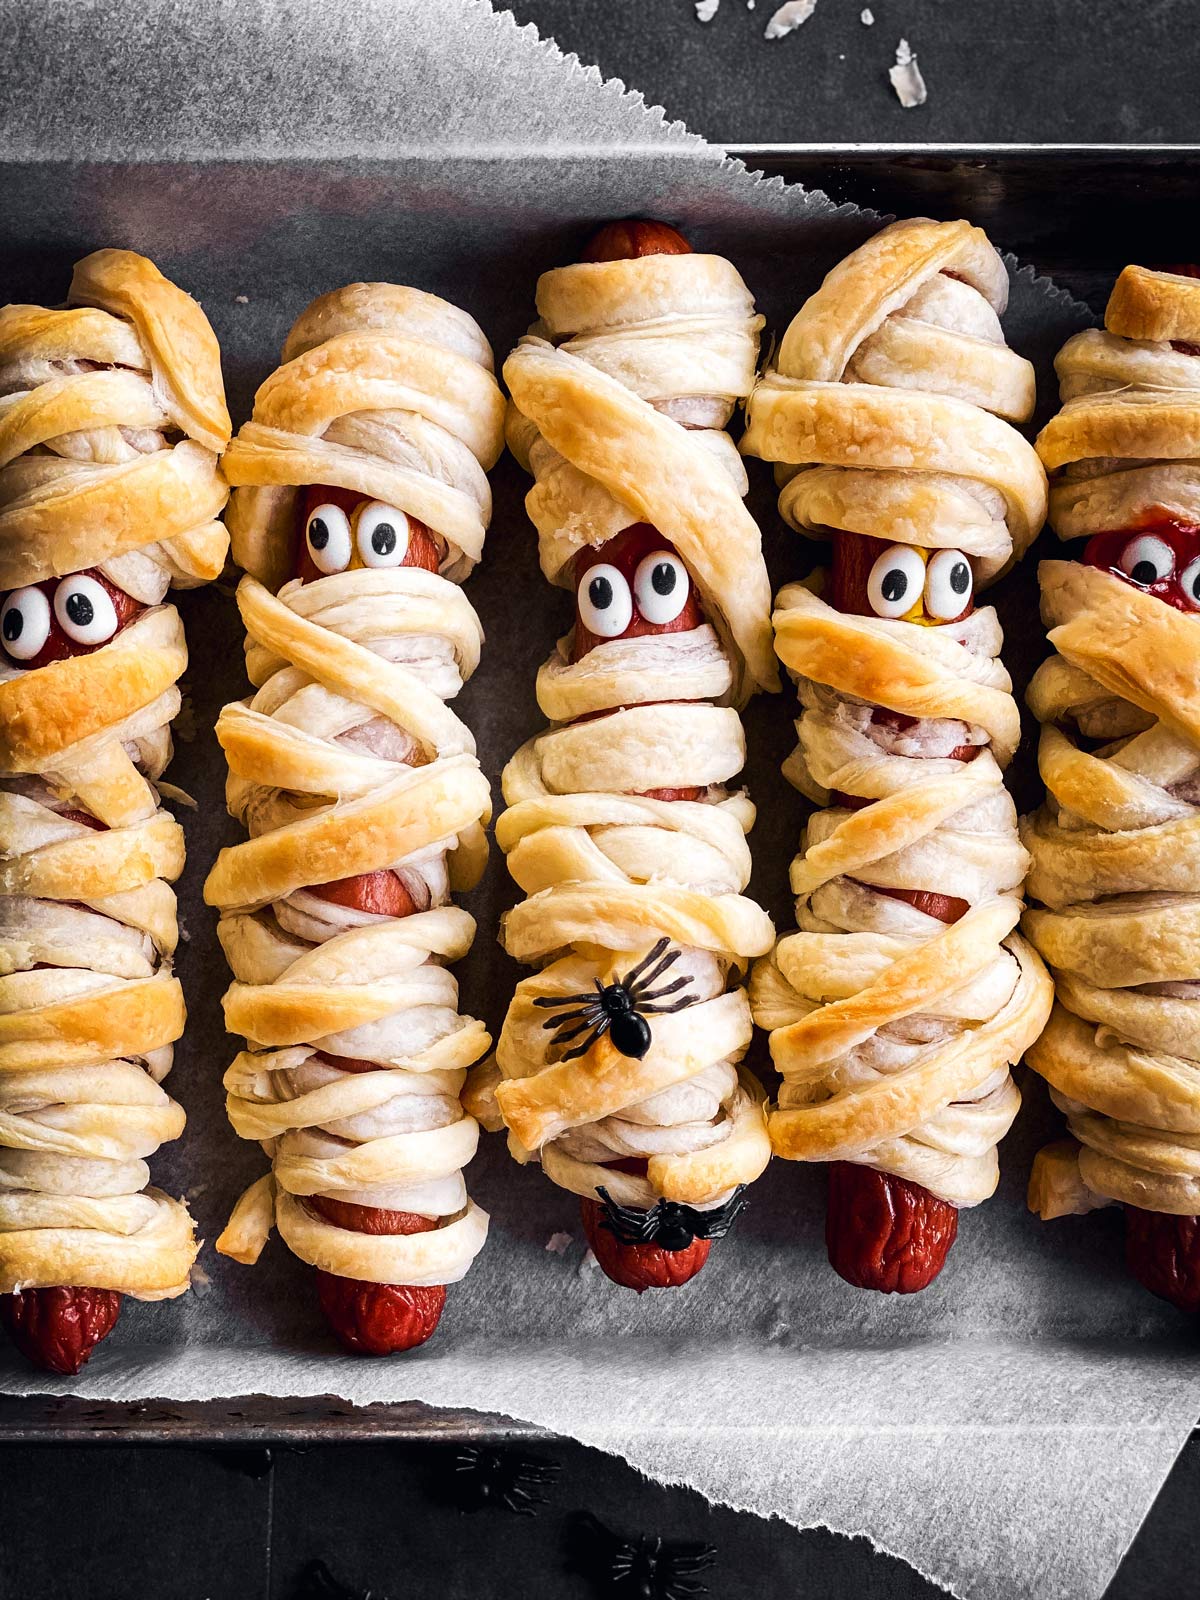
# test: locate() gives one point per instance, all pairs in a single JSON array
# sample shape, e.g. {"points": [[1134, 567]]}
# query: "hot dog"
{"points": [[898, 1006], [364, 803], [618, 1063]]}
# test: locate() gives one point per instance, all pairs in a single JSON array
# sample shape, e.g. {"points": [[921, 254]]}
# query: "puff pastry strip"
{"points": [[898, 1006], [620, 826], [360, 496], [1114, 846], [112, 416]]}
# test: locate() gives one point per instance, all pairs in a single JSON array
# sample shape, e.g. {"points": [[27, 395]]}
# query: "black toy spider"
{"points": [[509, 1478], [620, 1008], [643, 1567], [668, 1224]]}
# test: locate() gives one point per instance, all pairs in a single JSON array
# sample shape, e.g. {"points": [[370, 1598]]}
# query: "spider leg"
{"points": [[653, 1009], [632, 976], [548, 1000], [667, 988], [582, 1049], [573, 1033], [592, 1011], [630, 1224], [656, 971]]}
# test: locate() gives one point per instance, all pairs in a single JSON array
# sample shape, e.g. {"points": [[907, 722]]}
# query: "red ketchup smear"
{"points": [[58, 646], [1103, 550], [882, 1232], [58, 1328], [422, 543], [639, 1266]]}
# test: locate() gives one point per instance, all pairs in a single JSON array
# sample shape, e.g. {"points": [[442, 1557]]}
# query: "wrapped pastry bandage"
{"points": [[347, 763], [112, 416], [620, 826], [1114, 847], [898, 1006]]}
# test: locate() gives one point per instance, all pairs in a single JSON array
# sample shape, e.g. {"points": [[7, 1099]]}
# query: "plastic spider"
{"points": [[647, 1567], [668, 1224], [487, 1477], [620, 1008]]}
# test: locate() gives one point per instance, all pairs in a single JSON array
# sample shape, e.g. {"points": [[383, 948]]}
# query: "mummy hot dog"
{"points": [[361, 497], [1115, 846], [618, 1063], [897, 1008], [112, 417]]}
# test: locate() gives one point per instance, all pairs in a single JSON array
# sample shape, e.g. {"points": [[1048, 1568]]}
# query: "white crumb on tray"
{"points": [[559, 1243], [706, 10], [241, 299], [588, 1265], [789, 17], [200, 1281], [867, 18], [906, 77]]}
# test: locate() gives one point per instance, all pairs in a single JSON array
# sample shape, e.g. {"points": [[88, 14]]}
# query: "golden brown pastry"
{"points": [[361, 496], [1115, 845], [112, 418], [618, 1063], [898, 1006]]}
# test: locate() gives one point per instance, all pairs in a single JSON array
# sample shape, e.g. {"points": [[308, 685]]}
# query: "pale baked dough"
{"points": [[347, 759], [1115, 847], [620, 396], [894, 1031], [112, 417]]}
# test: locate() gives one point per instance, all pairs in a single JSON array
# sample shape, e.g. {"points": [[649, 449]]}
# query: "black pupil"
{"points": [[80, 609], [895, 584], [14, 624], [960, 577], [663, 578], [600, 593], [318, 533], [1195, 585], [1144, 572], [383, 539]]}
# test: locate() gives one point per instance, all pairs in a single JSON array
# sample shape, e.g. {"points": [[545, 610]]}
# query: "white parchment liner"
{"points": [[1006, 1431]]}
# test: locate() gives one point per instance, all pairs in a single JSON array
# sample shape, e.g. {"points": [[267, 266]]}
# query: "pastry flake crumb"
{"points": [[867, 18], [588, 1265], [241, 299], [706, 10], [558, 1243], [906, 77], [789, 17]]}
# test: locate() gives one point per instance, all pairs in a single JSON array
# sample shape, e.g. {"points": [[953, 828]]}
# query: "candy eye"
{"points": [[382, 535], [605, 604], [84, 610], [896, 581], [25, 623], [1147, 560], [948, 585], [328, 536], [661, 586], [1189, 582]]}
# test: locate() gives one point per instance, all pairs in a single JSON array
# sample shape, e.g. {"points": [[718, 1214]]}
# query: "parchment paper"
{"points": [[1007, 1430]]}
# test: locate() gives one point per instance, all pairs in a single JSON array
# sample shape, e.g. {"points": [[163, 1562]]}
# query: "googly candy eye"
{"points": [[381, 534], [25, 623], [1147, 560], [604, 601], [661, 586], [896, 581], [327, 534], [948, 585], [84, 610], [1189, 582]]}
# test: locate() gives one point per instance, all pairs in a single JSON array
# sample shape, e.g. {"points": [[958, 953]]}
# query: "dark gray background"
{"points": [[998, 71]]}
